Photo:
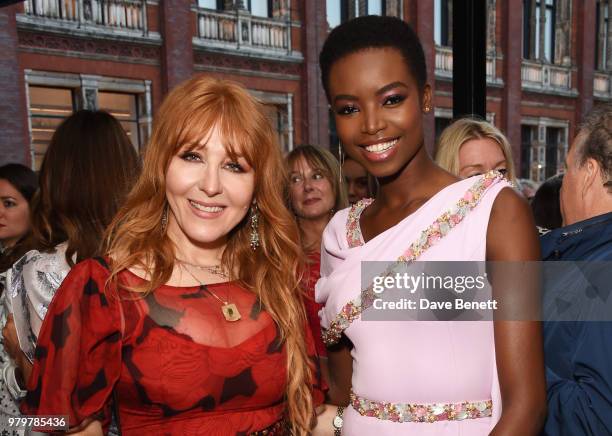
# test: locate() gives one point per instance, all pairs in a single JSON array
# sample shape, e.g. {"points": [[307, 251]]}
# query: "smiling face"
{"points": [[480, 155], [208, 192], [378, 109], [312, 195], [14, 214]]}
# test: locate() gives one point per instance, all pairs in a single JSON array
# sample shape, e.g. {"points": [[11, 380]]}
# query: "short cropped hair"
{"points": [[597, 139], [373, 31]]}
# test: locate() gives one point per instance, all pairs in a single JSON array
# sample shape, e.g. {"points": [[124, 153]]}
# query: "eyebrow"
{"points": [[379, 92]]}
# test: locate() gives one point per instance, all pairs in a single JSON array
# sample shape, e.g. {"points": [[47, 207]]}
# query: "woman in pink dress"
{"points": [[427, 377]]}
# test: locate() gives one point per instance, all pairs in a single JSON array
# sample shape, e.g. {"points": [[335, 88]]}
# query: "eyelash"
{"points": [[190, 156], [235, 167], [9, 203], [394, 99], [346, 110]]}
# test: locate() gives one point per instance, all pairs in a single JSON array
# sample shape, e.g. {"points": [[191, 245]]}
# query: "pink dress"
{"points": [[415, 362]]}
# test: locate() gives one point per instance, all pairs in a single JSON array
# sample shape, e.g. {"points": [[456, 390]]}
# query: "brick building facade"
{"points": [[548, 62]]}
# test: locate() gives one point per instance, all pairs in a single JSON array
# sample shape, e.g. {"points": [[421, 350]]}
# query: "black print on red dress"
{"points": [[276, 346], [60, 330], [98, 384], [242, 384], [91, 289]]}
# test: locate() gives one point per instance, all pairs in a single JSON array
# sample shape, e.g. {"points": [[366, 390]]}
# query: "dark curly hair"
{"points": [[373, 31]]}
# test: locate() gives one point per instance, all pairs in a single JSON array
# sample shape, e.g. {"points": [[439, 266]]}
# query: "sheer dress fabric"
{"points": [[177, 366], [417, 362]]}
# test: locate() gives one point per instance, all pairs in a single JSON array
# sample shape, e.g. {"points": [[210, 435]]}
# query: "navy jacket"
{"points": [[578, 355]]}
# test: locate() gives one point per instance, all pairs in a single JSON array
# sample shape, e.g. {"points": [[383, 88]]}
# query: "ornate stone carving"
{"points": [[246, 63], [97, 47]]}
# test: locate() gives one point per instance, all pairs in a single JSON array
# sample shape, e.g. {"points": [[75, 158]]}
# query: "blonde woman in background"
{"points": [[470, 147]]}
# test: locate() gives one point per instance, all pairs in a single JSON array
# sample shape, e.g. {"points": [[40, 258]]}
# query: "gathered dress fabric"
{"points": [[413, 362], [311, 275], [170, 360]]}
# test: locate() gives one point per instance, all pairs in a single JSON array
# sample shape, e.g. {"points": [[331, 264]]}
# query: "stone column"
{"points": [[512, 25], [315, 111], [491, 25], [585, 61], [15, 143], [609, 36], [88, 98], [178, 26], [542, 26], [420, 15], [532, 30]]}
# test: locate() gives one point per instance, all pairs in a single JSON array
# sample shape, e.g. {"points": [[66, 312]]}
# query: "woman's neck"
{"points": [[311, 231], [421, 177]]}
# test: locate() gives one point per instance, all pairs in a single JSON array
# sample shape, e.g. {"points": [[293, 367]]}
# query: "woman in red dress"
{"points": [[191, 325], [316, 191]]}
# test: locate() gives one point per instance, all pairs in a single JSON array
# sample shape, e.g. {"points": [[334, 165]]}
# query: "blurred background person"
{"points": [[527, 187], [470, 147], [18, 184], [578, 354], [315, 194], [546, 205], [86, 173], [359, 184]]}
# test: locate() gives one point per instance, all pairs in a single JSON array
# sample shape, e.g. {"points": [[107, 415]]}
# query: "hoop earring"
{"points": [[164, 220], [254, 218]]}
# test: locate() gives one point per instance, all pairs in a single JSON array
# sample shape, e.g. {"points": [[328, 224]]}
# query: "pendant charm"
{"points": [[230, 312]]}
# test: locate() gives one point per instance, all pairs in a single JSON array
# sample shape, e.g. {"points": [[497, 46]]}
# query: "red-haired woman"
{"points": [[192, 324]]}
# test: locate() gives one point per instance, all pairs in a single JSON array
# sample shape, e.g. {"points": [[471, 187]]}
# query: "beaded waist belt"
{"points": [[404, 412], [279, 428]]}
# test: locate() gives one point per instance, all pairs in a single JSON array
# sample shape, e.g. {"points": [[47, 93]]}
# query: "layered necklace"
{"points": [[229, 310]]}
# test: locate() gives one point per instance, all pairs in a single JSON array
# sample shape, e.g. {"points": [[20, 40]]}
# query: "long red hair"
{"points": [[136, 238]]}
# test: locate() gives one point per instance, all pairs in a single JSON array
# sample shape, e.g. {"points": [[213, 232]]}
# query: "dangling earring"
{"points": [[254, 218], [341, 159], [164, 220]]}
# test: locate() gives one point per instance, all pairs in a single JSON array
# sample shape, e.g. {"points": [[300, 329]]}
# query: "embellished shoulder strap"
{"points": [[428, 238], [353, 231]]}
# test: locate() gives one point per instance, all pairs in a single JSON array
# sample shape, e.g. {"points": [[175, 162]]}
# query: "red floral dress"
{"points": [[176, 365]]}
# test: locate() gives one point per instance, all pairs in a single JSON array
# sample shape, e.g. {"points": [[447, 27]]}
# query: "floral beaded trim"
{"points": [[428, 413], [353, 231], [429, 237]]}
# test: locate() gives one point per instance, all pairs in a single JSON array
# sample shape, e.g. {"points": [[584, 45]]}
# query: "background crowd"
{"points": [[211, 287]]}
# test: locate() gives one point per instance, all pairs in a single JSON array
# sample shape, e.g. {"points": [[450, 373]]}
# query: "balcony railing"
{"points": [[602, 85], [239, 29], [444, 64], [130, 15], [540, 76]]}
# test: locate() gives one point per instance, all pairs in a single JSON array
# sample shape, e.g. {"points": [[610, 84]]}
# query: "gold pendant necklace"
{"points": [[229, 310]]}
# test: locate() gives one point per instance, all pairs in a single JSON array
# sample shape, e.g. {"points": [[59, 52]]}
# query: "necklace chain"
{"points": [[230, 310], [212, 269]]}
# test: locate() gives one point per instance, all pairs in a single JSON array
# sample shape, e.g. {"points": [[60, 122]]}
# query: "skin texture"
{"points": [[582, 195], [14, 214], [206, 175], [478, 156], [375, 98], [356, 178], [312, 201]]}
